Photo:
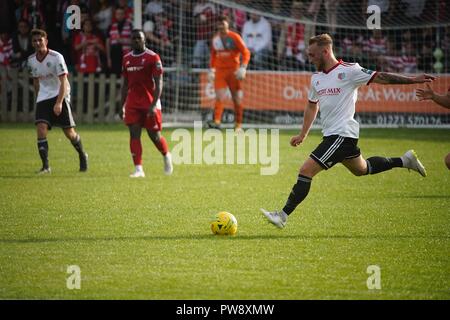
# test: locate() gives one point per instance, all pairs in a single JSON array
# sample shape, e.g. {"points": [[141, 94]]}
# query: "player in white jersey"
{"points": [[334, 89], [49, 72]]}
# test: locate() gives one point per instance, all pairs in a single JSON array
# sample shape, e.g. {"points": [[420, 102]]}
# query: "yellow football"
{"points": [[224, 223]]}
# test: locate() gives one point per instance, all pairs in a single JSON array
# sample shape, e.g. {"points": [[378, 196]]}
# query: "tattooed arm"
{"points": [[394, 78]]}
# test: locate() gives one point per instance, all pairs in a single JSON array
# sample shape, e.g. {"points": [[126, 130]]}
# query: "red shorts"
{"points": [[226, 78], [140, 116]]}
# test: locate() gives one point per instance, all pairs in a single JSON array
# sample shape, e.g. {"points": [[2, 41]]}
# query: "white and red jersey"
{"points": [[336, 91], [408, 63], [139, 70], [6, 52], [377, 46], [88, 58], [47, 71]]}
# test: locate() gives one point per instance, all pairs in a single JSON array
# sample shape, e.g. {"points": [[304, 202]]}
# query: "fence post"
{"points": [[101, 98], [112, 98], [15, 92], [80, 97], [3, 94], [91, 99], [26, 95]]}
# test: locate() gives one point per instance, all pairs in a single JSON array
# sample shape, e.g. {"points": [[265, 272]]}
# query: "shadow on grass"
{"points": [[212, 237], [431, 196]]}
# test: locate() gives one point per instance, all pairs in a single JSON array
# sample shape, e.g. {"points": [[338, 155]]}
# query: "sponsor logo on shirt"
{"points": [[132, 69], [329, 92], [229, 44], [223, 53]]}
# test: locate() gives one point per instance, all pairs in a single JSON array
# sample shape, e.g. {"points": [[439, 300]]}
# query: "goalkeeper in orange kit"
{"points": [[227, 70]]}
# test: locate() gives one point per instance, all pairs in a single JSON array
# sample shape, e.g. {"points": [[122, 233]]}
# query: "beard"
{"points": [[320, 65]]}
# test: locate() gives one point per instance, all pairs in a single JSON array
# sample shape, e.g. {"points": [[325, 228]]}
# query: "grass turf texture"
{"points": [[150, 238]]}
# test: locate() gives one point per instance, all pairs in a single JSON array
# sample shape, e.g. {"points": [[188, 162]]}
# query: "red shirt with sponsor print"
{"points": [[139, 70]]}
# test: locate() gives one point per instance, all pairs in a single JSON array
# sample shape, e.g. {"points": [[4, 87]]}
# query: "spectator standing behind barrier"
{"points": [[160, 36], [204, 14], [103, 17], [123, 4], [21, 44], [5, 57], [153, 8], [31, 11], [119, 41], [257, 36], [291, 45], [88, 46]]}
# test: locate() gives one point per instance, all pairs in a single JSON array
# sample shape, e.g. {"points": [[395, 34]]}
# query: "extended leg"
{"points": [[373, 165], [299, 192]]}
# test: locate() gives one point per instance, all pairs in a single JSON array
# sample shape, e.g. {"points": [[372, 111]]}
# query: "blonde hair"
{"points": [[321, 40], [39, 32]]}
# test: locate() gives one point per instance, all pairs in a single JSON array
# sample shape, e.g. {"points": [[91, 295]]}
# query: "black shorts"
{"points": [[44, 113], [334, 149]]}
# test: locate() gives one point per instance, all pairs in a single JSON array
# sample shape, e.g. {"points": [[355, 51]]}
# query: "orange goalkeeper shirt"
{"points": [[226, 51]]}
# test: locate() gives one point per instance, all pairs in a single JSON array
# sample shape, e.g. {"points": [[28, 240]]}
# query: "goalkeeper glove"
{"points": [[211, 74], [240, 73]]}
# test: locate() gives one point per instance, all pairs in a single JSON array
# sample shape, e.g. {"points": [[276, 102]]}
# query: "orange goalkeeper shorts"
{"points": [[225, 78]]}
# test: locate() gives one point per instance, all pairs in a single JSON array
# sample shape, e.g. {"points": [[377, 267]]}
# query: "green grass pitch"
{"points": [[150, 238]]}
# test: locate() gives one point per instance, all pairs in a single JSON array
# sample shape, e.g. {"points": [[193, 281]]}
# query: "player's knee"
{"points": [[154, 136], [359, 172], [41, 133], [70, 134], [237, 101], [135, 131], [306, 171]]}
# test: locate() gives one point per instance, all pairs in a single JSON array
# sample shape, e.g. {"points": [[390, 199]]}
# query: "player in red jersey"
{"points": [[141, 89]]}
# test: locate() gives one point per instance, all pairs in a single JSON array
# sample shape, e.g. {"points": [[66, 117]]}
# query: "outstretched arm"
{"points": [[394, 78], [429, 94]]}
